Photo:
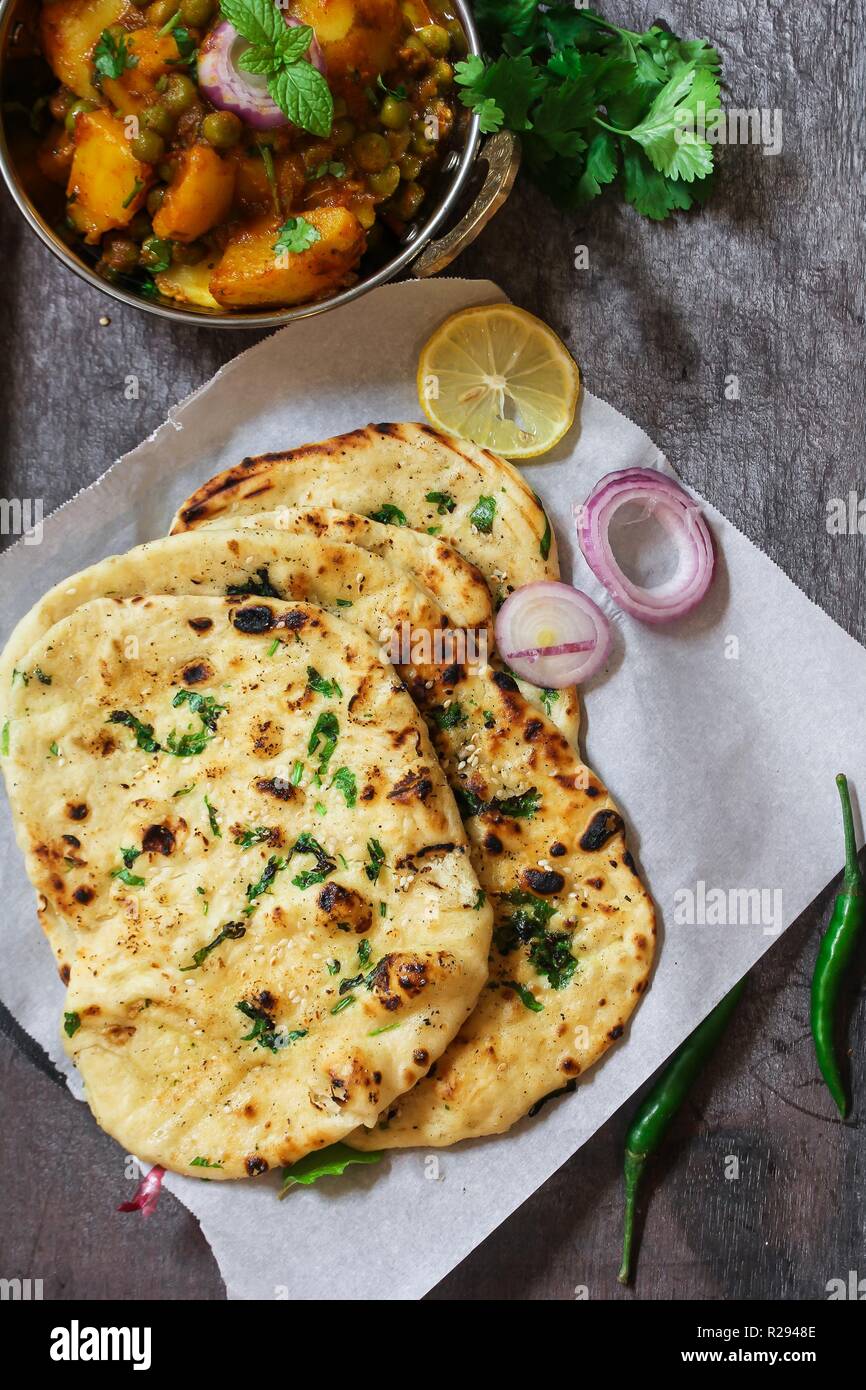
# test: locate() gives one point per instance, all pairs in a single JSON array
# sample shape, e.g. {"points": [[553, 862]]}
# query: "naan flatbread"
{"points": [[458, 587], [574, 927], [407, 475], [237, 811]]}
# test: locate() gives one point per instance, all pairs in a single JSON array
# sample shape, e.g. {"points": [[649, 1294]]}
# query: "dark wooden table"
{"points": [[768, 287]]}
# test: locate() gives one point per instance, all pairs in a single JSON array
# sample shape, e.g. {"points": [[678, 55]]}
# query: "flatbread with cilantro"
{"points": [[574, 927], [459, 588], [237, 812], [407, 475], [344, 578]]}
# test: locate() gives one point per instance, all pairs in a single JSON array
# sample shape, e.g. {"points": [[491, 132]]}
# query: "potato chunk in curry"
{"points": [[107, 184], [253, 273]]}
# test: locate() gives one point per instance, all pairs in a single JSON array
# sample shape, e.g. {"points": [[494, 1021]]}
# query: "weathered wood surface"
{"points": [[767, 286]]}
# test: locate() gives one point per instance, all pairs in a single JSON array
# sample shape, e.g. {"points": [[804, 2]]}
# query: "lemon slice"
{"points": [[501, 378]]}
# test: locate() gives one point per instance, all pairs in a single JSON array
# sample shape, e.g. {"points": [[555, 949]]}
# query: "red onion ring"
{"points": [[536, 612], [561, 649], [229, 88], [676, 511], [146, 1195]]}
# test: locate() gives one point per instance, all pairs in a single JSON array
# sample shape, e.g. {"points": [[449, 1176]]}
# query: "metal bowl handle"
{"points": [[501, 153]]}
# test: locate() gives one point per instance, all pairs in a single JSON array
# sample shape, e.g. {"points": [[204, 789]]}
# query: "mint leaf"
{"points": [[293, 43], [257, 21], [302, 93], [259, 60], [330, 1162], [297, 235]]}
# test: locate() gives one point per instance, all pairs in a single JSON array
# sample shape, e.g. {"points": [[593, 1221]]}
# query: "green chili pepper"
{"points": [[649, 1125], [834, 954]]}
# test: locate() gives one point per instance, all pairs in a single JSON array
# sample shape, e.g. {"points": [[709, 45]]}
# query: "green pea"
{"points": [[410, 166], [458, 37], [409, 201], [443, 73], [340, 107], [196, 12], [343, 133], [385, 183], [394, 114], [148, 147], [155, 199], [156, 253], [371, 152], [158, 118], [160, 12], [436, 39], [77, 109], [180, 93], [222, 129]]}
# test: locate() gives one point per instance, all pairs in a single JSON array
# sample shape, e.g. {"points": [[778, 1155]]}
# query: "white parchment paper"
{"points": [[719, 736]]}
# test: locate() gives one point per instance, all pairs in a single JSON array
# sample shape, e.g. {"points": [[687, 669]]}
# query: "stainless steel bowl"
{"points": [[420, 250]]}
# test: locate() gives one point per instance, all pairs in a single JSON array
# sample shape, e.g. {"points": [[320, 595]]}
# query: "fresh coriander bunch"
{"points": [[593, 103]]}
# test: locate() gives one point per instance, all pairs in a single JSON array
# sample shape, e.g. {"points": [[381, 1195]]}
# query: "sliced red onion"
{"points": [[563, 648], [672, 507], [230, 88], [552, 635], [146, 1195]]}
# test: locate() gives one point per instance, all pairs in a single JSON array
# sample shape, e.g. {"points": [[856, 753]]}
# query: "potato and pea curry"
{"points": [[241, 153]]}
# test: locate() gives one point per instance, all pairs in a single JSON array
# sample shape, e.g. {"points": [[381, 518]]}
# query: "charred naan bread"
{"points": [[574, 928], [407, 475], [459, 588], [344, 578], [237, 811]]}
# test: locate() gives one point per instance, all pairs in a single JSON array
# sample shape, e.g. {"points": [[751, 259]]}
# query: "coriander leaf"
{"points": [[444, 501], [648, 191], [71, 1024], [490, 116], [512, 83], [482, 514], [517, 17], [526, 997], [389, 515], [330, 1162], [297, 235], [602, 163], [551, 956], [232, 931], [449, 716], [255, 835], [143, 732], [258, 584], [667, 132], [111, 56], [302, 93], [212, 815], [376, 855], [344, 781], [316, 682]]}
